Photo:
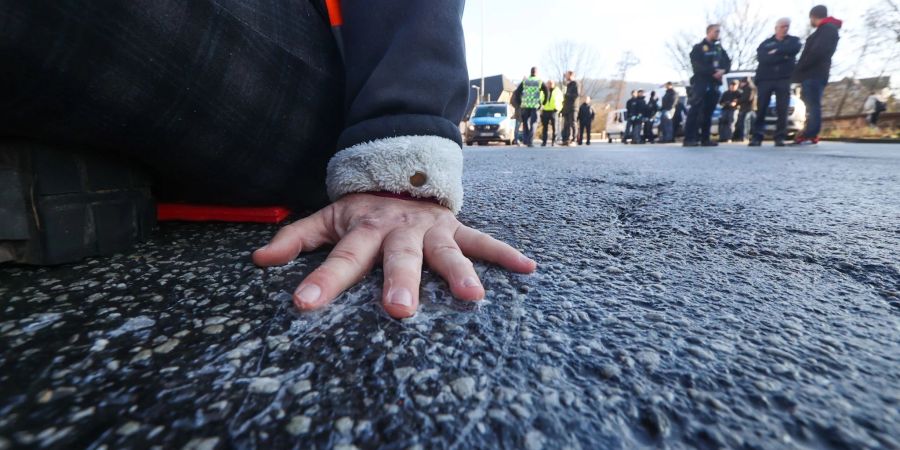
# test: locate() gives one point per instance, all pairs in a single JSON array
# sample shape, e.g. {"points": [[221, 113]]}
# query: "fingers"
{"points": [[352, 258], [444, 256], [402, 272], [476, 244], [301, 236]]}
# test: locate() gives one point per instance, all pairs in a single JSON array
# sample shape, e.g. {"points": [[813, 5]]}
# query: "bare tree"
{"points": [[628, 61], [579, 57], [744, 26]]}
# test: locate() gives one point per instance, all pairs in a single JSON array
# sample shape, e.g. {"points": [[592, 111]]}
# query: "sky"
{"points": [[518, 33]]}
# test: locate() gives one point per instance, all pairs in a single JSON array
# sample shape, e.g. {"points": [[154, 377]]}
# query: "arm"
{"points": [[406, 91], [699, 63]]}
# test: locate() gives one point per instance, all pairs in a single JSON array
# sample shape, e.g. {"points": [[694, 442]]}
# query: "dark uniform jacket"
{"points": [[777, 58], [668, 100], [815, 61], [746, 100], [730, 99], [570, 98], [585, 114], [706, 58]]}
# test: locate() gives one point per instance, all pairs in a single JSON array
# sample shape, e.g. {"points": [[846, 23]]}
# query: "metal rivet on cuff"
{"points": [[418, 179]]}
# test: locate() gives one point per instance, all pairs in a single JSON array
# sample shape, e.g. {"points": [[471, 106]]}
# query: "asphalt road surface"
{"points": [[685, 298]]}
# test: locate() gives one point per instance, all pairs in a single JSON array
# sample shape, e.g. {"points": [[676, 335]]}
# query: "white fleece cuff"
{"points": [[421, 166]]}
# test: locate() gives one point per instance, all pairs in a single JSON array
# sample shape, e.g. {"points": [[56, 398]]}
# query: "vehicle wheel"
{"points": [[508, 142], [469, 143]]}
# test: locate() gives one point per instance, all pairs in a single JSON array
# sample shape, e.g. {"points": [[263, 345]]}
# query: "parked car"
{"points": [[615, 125], [491, 122]]}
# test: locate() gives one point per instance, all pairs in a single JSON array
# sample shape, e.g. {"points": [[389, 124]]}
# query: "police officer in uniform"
{"points": [[532, 93], [710, 63]]}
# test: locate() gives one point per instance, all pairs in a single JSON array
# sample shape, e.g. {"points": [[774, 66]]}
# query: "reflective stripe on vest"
{"points": [[531, 93]]}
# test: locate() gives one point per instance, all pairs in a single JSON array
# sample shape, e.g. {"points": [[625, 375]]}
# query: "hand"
{"points": [[718, 74], [367, 229]]}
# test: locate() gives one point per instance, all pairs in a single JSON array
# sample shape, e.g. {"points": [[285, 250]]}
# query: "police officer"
{"points": [[710, 63], [629, 111], [532, 93], [777, 56], [568, 109]]}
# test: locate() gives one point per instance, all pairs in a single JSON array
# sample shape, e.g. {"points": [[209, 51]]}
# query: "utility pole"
{"points": [[625, 64], [481, 91]]}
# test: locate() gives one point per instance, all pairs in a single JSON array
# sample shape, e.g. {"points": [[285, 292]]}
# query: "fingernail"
{"points": [[263, 248], [525, 260], [308, 294], [400, 297], [471, 282]]}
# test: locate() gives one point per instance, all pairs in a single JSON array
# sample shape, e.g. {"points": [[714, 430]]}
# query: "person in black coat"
{"points": [[650, 113], [729, 103], [637, 117], [710, 63], [585, 120], [629, 111], [776, 57], [813, 69], [568, 110], [666, 125]]}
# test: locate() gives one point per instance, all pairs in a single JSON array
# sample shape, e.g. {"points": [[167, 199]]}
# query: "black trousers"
{"points": [[740, 132], [726, 124], [782, 91], [584, 132], [568, 132], [703, 100], [224, 101], [548, 120]]}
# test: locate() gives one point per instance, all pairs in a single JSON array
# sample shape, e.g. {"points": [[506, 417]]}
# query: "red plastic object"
{"points": [[207, 213]]}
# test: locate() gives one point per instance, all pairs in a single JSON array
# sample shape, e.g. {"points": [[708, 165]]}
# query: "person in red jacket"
{"points": [[813, 69], [341, 105]]}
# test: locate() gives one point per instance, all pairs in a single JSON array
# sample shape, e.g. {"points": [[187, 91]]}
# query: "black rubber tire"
{"points": [[60, 206]]}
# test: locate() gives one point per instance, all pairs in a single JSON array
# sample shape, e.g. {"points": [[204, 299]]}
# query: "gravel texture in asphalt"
{"points": [[684, 298]]}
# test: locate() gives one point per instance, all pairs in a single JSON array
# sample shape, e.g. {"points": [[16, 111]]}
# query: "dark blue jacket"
{"points": [[777, 58], [706, 58], [405, 72], [815, 61]]}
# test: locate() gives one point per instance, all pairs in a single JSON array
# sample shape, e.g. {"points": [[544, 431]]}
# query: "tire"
{"points": [[60, 206], [469, 143]]}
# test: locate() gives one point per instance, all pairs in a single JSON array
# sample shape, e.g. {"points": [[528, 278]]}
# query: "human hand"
{"points": [[718, 74], [366, 229]]}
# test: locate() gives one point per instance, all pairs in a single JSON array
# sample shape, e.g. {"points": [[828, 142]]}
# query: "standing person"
{"points": [[678, 118], [550, 112], [710, 63], [629, 111], [873, 107], [729, 103], [813, 69], [568, 109], [516, 102], [650, 116], [532, 92], [586, 115], [667, 110], [638, 113], [745, 105], [777, 56]]}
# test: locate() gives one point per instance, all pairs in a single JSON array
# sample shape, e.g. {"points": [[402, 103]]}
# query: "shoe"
{"points": [[709, 144], [755, 143], [61, 206], [805, 142], [544, 144], [690, 144], [779, 142]]}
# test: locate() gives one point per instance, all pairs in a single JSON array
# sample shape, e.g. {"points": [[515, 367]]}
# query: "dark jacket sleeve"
{"points": [[763, 55], [725, 62], [405, 66], [819, 47]]}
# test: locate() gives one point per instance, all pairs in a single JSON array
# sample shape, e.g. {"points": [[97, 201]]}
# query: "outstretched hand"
{"points": [[366, 229]]}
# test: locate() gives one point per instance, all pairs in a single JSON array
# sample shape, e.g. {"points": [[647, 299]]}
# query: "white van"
{"points": [[615, 125]]}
